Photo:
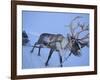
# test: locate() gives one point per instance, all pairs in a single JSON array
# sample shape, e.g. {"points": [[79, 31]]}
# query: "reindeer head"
{"points": [[75, 43]]}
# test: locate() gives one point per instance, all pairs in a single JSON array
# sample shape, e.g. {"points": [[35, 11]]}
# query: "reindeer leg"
{"points": [[33, 47], [39, 51], [60, 57], [51, 51]]}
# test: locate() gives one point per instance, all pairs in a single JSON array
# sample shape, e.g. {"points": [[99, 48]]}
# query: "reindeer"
{"points": [[59, 43], [56, 42]]}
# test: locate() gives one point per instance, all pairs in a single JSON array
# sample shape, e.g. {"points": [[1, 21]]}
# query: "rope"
{"points": [[67, 57]]}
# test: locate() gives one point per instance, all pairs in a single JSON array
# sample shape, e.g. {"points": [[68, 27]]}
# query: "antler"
{"points": [[72, 26], [77, 29], [84, 41], [83, 28]]}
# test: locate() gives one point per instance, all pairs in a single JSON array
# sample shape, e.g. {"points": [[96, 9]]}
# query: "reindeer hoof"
{"points": [[31, 51], [46, 64], [39, 55], [61, 65]]}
